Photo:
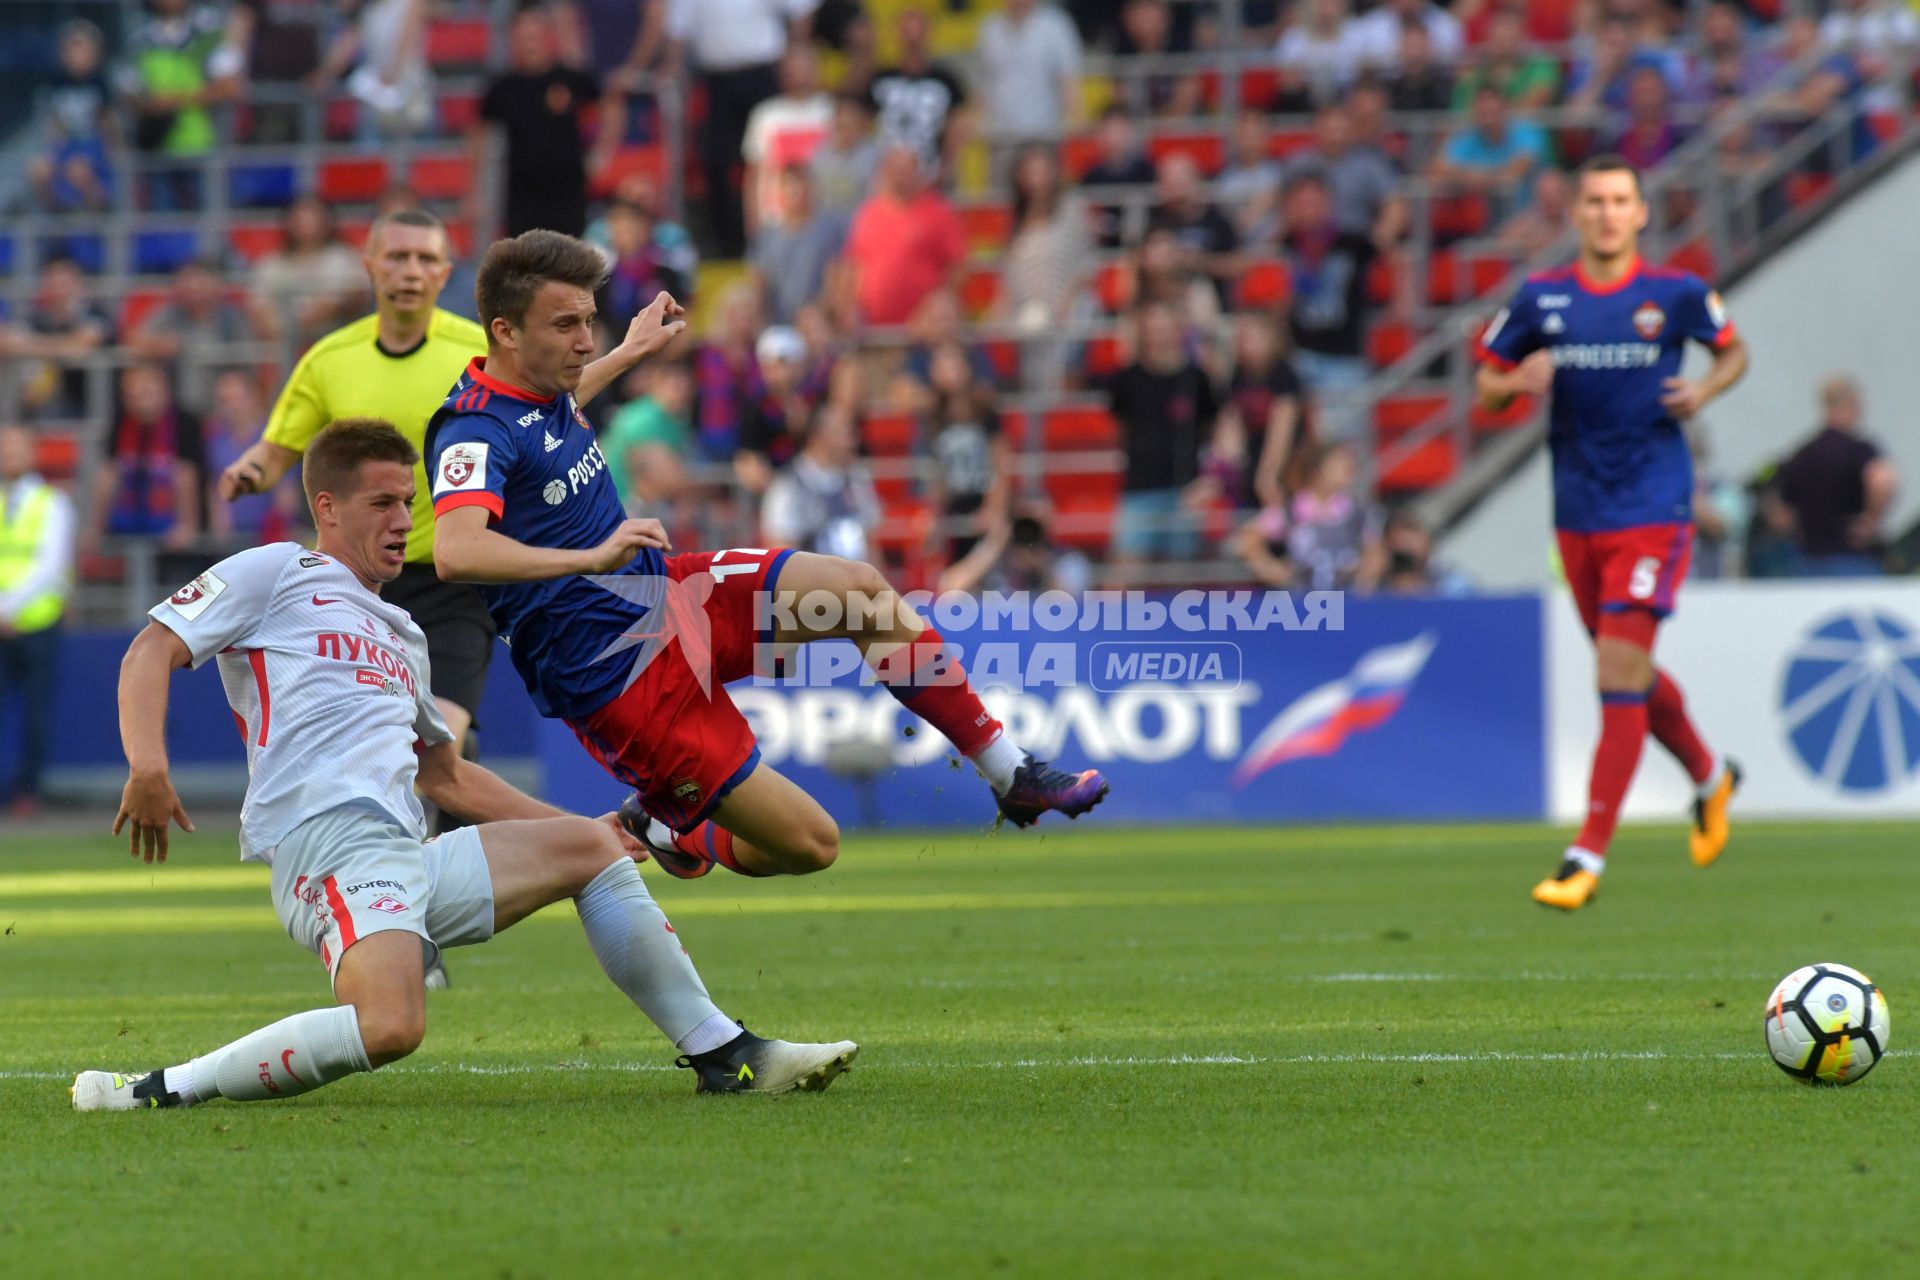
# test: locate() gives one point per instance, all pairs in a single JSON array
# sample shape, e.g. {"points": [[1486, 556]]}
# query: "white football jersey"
{"points": [[328, 684]]}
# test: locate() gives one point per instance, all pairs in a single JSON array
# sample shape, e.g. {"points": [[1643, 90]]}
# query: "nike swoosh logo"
{"points": [[286, 1065], [318, 600]]}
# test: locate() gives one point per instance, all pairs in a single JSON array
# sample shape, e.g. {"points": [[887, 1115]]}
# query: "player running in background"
{"points": [[523, 503], [1606, 337], [328, 681]]}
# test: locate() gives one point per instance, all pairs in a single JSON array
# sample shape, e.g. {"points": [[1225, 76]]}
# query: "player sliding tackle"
{"points": [[330, 685], [629, 646], [1606, 337]]}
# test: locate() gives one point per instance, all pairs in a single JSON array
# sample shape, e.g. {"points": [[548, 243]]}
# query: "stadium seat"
{"points": [[979, 290], [1457, 217], [1285, 142], [459, 111], [446, 176], [255, 240], [1693, 256], [137, 304], [1806, 188], [1265, 284], [159, 253], [353, 232], [1884, 124], [1486, 273], [1258, 88], [1105, 354], [889, 435], [1079, 427], [256, 186], [89, 252], [650, 160], [56, 455], [358, 180], [1444, 278], [1079, 154], [1396, 415], [1209, 150], [1113, 286], [903, 526], [342, 121], [1380, 282], [459, 230], [1388, 340], [989, 226], [459, 42], [1083, 507], [1004, 355], [1433, 463]]}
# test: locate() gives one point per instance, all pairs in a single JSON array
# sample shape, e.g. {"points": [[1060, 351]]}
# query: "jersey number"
{"points": [[721, 572], [1646, 575]]}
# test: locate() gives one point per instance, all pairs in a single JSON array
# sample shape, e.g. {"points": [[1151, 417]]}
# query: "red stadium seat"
{"points": [[459, 42], [1433, 463], [56, 455], [460, 231], [1258, 88], [1004, 355], [1265, 284], [1806, 188], [1078, 428], [447, 176], [1396, 415], [255, 240], [1285, 142], [1209, 150], [888, 435], [1885, 124], [1380, 282], [1079, 154], [650, 160], [1105, 355], [1693, 256], [353, 232], [1444, 278], [1113, 286], [137, 304], [989, 226], [342, 118], [1388, 341], [359, 180], [1013, 429], [979, 290], [1486, 273], [459, 112], [1083, 508]]}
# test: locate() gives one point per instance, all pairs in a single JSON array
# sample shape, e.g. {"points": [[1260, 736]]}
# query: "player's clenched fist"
{"points": [[1534, 375], [626, 542], [655, 327]]}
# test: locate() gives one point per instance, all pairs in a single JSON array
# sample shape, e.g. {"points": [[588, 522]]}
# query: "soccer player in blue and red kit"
{"points": [[630, 646], [1606, 337]]}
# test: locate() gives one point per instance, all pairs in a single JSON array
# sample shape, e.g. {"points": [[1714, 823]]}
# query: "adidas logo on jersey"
{"points": [[528, 419], [1553, 323], [552, 442]]}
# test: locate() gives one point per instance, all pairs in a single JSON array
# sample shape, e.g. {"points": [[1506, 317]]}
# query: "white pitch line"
{"points": [[1061, 1064]]}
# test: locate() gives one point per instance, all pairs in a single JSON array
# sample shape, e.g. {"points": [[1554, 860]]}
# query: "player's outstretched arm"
{"points": [[466, 550], [149, 801], [259, 469], [480, 795], [654, 329]]}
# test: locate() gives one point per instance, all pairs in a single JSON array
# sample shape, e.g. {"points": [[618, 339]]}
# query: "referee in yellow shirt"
{"points": [[395, 364]]}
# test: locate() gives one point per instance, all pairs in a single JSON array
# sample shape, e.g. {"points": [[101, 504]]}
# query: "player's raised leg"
{"points": [[909, 656], [1715, 778]]}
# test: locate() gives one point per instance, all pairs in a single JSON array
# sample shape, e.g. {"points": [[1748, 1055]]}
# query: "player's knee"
{"points": [[817, 845], [590, 847], [391, 1031]]}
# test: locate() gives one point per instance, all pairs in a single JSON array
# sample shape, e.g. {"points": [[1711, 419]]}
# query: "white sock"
{"points": [[999, 760], [1588, 859], [641, 953], [179, 1081], [292, 1056], [709, 1035], [1705, 789]]}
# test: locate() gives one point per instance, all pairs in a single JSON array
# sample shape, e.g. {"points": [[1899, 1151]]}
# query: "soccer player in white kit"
{"points": [[329, 686]]}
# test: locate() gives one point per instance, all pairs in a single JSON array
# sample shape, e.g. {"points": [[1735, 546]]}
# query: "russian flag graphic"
{"points": [[1319, 722]]}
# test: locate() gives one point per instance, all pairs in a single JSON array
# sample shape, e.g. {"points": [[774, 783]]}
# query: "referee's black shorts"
{"points": [[458, 629]]}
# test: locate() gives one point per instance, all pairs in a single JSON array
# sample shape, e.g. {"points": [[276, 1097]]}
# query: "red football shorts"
{"points": [[680, 746], [1625, 571]]}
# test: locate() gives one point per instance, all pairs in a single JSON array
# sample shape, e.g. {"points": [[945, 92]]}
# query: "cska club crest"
{"points": [[1649, 320]]}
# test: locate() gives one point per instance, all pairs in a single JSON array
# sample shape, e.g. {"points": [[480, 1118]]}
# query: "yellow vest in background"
{"points": [[21, 531]]}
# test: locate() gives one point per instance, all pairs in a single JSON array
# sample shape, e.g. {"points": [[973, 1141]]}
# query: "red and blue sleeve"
{"points": [[470, 468], [1511, 336], [1703, 316]]}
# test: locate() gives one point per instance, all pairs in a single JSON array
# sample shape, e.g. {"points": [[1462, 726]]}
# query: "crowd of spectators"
{"points": [[829, 156]]}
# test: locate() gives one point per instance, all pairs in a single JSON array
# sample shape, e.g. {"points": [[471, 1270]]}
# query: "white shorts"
{"points": [[351, 872]]}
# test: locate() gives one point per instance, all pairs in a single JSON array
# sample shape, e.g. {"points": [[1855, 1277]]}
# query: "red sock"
{"points": [[934, 687], [1673, 729], [714, 843], [1623, 731]]}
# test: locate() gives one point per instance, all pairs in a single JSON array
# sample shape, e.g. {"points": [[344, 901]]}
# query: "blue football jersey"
{"points": [[534, 465], [1619, 459]]}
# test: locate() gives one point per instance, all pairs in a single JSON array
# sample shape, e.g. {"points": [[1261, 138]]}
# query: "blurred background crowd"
{"points": [[1012, 293]]}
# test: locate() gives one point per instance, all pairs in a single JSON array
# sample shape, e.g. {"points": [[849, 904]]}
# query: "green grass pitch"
{"points": [[1096, 1051]]}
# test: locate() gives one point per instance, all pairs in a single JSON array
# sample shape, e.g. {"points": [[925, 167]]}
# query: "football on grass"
{"points": [[1826, 1024]]}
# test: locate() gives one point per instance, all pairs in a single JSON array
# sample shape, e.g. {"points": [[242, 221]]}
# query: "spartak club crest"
{"points": [[1649, 320], [187, 594]]}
